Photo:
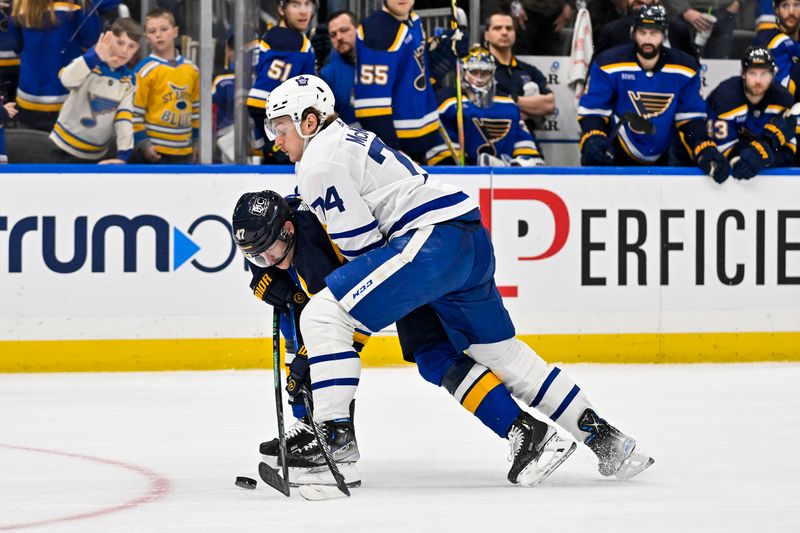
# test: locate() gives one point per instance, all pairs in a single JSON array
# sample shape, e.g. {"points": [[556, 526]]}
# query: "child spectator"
{"points": [[48, 36], [7, 111], [166, 106], [100, 101]]}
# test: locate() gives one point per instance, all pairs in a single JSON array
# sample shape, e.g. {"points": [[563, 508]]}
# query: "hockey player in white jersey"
{"points": [[411, 241]]}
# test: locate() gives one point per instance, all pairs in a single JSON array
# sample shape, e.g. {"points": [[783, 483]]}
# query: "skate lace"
{"points": [[515, 439], [297, 428]]}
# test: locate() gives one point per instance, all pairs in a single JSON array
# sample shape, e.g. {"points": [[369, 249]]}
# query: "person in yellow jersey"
{"points": [[166, 107]]}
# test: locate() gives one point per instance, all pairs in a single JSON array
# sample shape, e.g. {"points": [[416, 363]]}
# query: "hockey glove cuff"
{"points": [[595, 149], [778, 131], [751, 161], [711, 161]]}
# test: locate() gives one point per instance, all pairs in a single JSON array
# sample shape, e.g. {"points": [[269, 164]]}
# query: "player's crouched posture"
{"points": [[289, 245], [410, 241]]}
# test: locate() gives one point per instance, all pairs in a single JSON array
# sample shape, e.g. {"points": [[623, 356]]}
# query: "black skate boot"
{"points": [[298, 436], [341, 439], [617, 453], [536, 450]]}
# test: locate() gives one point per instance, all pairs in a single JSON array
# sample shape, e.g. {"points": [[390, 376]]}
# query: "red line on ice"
{"points": [[159, 487]]}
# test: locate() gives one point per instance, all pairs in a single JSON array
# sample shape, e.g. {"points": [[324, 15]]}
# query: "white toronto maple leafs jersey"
{"points": [[365, 192]]}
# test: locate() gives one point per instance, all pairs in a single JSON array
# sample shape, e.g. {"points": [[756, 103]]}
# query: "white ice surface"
{"points": [[159, 452]]}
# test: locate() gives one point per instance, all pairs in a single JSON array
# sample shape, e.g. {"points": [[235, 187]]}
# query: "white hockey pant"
{"points": [[529, 378], [334, 365]]}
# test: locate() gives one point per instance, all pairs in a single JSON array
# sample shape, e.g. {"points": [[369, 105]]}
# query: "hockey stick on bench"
{"points": [[318, 492], [636, 123], [270, 475]]}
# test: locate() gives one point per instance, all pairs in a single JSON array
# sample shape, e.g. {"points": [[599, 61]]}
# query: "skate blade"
{"points": [[321, 492], [636, 463], [322, 476], [535, 473]]}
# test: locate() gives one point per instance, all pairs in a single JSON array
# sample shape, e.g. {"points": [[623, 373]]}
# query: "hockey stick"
{"points": [[314, 492], [459, 104], [449, 143], [268, 474], [636, 123]]}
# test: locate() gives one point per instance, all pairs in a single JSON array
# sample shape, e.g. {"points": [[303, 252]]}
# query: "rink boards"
{"points": [[136, 271]]}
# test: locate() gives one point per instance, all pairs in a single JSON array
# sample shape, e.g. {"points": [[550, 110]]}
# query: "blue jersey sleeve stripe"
{"points": [[438, 203], [369, 248], [353, 232], [332, 357]]}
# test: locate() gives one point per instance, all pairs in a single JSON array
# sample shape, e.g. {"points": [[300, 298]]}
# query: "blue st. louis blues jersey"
{"points": [[497, 130], [784, 49], [733, 121], [669, 97], [393, 96], [282, 54]]}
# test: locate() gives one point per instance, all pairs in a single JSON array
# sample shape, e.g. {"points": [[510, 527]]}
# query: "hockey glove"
{"points": [[488, 160], [527, 161], [779, 130], [298, 375], [712, 162], [753, 158], [596, 149], [275, 287]]}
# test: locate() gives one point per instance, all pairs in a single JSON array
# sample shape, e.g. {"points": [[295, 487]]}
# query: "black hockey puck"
{"points": [[245, 482]]}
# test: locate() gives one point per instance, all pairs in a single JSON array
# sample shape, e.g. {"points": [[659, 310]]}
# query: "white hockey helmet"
{"points": [[294, 96]]}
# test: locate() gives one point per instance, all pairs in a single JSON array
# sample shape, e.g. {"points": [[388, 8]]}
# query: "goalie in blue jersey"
{"points": [[494, 132], [656, 83]]}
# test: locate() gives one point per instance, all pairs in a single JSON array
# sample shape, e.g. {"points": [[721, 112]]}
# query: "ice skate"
{"points": [[536, 450], [618, 454], [298, 436], [341, 439]]}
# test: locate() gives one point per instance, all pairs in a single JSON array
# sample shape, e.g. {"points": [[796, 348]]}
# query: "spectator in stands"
{"points": [[48, 36], [494, 133], [394, 96], [100, 103], [693, 15], [222, 100], [339, 71], [781, 38], [524, 83], [7, 111], [745, 117], [619, 32], [9, 60], [646, 80], [540, 23], [166, 106], [284, 52]]}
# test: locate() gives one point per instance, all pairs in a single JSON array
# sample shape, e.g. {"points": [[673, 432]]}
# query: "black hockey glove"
{"points": [[752, 159], [712, 162], [298, 375], [778, 130], [275, 287], [596, 149]]}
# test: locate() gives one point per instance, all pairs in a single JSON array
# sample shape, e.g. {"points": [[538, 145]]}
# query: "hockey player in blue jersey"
{"points": [[781, 38], [393, 93], [410, 241], [260, 220], [746, 117], [494, 132], [283, 52], [655, 82]]}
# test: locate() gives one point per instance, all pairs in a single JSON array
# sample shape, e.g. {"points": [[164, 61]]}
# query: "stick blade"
{"points": [[271, 477], [321, 492]]}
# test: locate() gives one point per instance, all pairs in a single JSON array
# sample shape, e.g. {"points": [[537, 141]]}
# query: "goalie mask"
{"points": [[478, 76], [258, 223]]}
